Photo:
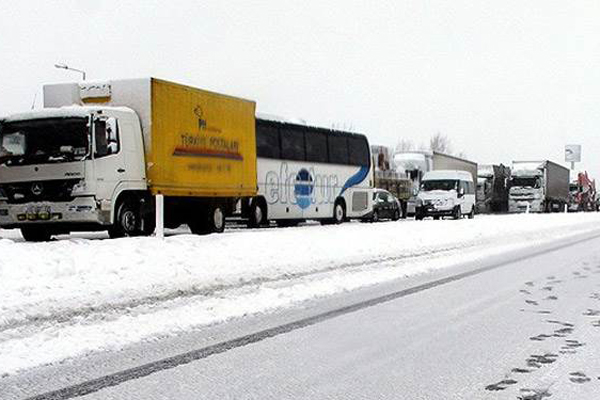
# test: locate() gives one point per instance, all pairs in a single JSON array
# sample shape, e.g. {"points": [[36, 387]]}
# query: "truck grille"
{"points": [[25, 192]]}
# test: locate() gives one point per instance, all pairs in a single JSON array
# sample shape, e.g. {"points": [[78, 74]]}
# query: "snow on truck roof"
{"points": [[448, 174], [62, 112]]}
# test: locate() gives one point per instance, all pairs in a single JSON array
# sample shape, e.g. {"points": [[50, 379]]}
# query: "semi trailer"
{"points": [[492, 188], [538, 186]]}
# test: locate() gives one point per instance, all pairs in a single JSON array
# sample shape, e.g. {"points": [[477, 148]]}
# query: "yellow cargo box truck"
{"points": [[98, 153]]}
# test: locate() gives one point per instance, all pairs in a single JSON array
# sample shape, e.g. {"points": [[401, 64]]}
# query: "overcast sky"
{"points": [[505, 80]]}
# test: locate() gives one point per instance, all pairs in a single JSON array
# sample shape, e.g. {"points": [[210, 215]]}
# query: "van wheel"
{"points": [[472, 213], [339, 213], [35, 234], [128, 221], [258, 215], [457, 213]]}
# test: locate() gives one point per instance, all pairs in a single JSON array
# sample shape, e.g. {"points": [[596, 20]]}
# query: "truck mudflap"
{"points": [[83, 210]]}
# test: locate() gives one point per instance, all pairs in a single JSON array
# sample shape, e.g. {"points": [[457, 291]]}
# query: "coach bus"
{"points": [[309, 173]]}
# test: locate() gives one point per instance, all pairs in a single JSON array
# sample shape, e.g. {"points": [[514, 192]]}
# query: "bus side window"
{"points": [[358, 151], [316, 146], [338, 149], [292, 144], [267, 141]]}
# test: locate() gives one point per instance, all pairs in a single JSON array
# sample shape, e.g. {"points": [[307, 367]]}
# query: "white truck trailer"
{"points": [[538, 186]]}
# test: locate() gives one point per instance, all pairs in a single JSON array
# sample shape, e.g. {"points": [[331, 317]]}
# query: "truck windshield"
{"points": [[43, 141], [531, 182], [439, 184]]}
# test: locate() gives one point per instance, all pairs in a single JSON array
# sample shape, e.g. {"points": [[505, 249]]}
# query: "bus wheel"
{"points": [[35, 234], [339, 212], [258, 215]]}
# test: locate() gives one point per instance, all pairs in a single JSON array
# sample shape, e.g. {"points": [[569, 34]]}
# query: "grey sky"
{"points": [[505, 80]]}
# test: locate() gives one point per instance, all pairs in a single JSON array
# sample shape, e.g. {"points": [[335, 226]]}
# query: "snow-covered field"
{"points": [[76, 295]]}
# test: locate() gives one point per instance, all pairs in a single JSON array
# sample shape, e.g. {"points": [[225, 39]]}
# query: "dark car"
{"points": [[385, 206]]}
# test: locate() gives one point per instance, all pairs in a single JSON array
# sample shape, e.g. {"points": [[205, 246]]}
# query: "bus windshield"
{"points": [[40, 141]]}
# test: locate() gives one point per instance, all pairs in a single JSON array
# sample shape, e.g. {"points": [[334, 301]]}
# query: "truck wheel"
{"points": [[457, 213], [404, 208], [375, 217], [128, 221], [472, 213], [419, 215], [216, 220], [339, 213], [35, 234], [258, 215]]}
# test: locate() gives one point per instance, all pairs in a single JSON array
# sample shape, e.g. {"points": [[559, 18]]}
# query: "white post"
{"points": [[566, 208], [160, 216], [528, 208]]}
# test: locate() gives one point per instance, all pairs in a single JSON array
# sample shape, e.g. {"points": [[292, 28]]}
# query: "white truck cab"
{"points": [[76, 161], [446, 193]]}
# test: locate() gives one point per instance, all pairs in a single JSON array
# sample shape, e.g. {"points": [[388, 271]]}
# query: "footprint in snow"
{"points": [[532, 302], [533, 394], [579, 377], [503, 384], [591, 313]]}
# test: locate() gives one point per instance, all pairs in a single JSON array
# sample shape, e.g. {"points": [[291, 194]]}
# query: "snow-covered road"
{"points": [[71, 297], [525, 330]]}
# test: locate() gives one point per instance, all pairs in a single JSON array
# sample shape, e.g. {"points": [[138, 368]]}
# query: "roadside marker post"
{"points": [[160, 217]]}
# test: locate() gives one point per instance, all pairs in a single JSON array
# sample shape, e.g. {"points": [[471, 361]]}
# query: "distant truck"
{"points": [[492, 188], [386, 177], [538, 186], [415, 164], [583, 195]]}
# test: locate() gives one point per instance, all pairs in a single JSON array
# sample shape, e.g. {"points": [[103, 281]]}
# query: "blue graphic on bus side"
{"points": [[355, 179], [303, 188]]}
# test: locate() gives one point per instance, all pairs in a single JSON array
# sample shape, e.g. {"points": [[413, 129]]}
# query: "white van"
{"points": [[446, 193]]}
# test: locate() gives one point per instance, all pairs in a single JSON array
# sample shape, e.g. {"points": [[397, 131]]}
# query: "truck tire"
{"points": [[472, 213], [419, 215], [216, 220], [35, 234], [128, 221], [404, 210], [258, 214], [339, 212], [375, 217], [210, 221]]}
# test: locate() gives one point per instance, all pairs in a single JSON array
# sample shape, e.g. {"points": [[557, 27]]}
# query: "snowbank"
{"points": [[72, 296]]}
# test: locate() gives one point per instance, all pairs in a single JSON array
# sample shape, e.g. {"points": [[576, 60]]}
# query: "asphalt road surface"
{"points": [[524, 325]]}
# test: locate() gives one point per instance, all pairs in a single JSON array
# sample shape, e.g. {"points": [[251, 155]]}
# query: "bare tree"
{"points": [[404, 145], [440, 143]]}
